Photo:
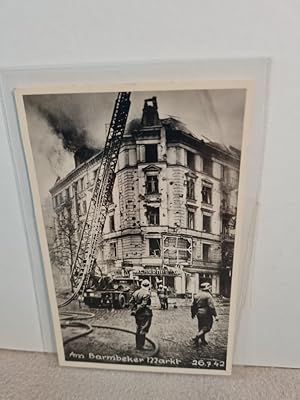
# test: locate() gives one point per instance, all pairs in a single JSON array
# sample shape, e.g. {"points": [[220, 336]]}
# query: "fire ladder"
{"points": [[93, 224]]}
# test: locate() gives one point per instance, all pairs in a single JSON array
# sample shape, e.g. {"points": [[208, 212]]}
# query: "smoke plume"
{"points": [[73, 138], [68, 120]]}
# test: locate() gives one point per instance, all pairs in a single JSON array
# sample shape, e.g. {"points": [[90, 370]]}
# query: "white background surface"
{"points": [[37, 33]]}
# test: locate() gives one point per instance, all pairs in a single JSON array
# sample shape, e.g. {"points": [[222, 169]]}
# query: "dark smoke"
{"points": [[133, 126], [73, 138]]}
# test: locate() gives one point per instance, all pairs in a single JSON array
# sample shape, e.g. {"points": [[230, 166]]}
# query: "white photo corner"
{"points": [[144, 195]]}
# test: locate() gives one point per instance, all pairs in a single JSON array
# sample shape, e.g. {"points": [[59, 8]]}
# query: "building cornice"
{"points": [[173, 137]]}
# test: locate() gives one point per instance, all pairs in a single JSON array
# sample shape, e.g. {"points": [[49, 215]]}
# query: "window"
{"points": [[110, 197], [60, 198], [75, 187], [206, 223], [91, 178], [69, 214], [81, 184], [190, 189], [205, 278], [206, 195], [84, 207], [94, 175], [151, 184], [151, 153], [68, 193], [225, 227], [224, 171], [190, 160], [206, 251], [191, 220], [113, 250], [153, 215], [154, 247], [207, 166], [112, 223]]}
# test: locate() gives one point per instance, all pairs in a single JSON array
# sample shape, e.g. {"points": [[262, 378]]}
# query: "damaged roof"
{"points": [[173, 124]]}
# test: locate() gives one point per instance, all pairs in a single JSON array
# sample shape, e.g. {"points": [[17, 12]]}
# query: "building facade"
{"points": [[172, 211]]}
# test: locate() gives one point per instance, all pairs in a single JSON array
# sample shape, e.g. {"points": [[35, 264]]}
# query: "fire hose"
{"points": [[72, 319]]}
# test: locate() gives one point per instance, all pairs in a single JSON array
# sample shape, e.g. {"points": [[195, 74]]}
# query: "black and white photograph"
{"points": [[138, 194]]}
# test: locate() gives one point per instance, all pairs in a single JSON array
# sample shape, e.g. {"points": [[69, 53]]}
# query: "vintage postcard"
{"points": [[135, 190]]}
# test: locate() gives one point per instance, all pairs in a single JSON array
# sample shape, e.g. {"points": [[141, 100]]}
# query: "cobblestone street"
{"points": [[172, 329]]}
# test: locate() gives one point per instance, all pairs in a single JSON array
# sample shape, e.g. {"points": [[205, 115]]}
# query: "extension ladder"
{"points": [[93, 224]]}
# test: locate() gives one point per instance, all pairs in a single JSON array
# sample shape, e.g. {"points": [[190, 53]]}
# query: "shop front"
{"points": [[191, 278], [181, 283], [212, 278], [158, 276]]}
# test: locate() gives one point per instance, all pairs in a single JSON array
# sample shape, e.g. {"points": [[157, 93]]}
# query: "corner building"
{"points": [[172, 209]]}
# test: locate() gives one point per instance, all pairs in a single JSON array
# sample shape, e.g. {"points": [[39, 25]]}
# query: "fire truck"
{"points": [[111, 292]]}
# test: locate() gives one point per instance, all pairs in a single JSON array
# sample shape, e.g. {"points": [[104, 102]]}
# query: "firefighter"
{"points": [[203, 307], [162, 293], [106, 282], [141, 302]]}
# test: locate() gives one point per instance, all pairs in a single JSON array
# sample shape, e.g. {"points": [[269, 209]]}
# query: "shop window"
{"points": [[191, 220], [207, 223], [190, 189], [206, 251], [206, 194], [151, 153], [153, 215], [170, 283], [190, 159], [205, 278], [152, 184], [154, 247]]}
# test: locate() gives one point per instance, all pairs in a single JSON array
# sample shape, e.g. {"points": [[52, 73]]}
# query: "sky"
{"points": [[216, 115]]}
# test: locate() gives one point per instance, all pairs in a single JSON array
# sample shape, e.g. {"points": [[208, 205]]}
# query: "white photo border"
{"points": [[249, 86]]}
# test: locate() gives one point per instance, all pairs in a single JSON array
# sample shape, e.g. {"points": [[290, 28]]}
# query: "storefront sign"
{"points": [[156, 271]]}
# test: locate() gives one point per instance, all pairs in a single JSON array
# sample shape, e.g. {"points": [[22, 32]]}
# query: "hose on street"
{"points": [[73, 319]]}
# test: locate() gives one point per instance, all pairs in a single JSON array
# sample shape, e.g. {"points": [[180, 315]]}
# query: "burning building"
{"points": [[172, 211]]}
